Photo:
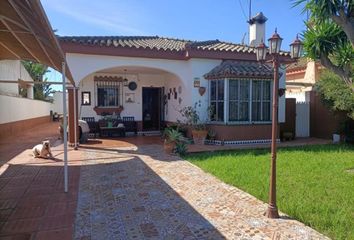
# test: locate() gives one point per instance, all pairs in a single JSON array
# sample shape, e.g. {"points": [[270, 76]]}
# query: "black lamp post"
{"points": [[274, 50]]}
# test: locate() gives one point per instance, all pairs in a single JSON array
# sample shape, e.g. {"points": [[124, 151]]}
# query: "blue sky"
{"points": [[185, 19]]}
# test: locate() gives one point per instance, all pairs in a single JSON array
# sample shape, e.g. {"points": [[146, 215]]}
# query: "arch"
{"points": [[82, 65]]}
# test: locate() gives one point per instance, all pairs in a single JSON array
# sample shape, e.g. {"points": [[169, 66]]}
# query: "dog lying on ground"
{"points": [[42, 150]]}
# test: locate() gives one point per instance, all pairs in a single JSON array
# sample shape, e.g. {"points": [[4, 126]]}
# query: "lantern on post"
{"points": [[261, 52], [274, 50], [296, 48], [275, 43]]}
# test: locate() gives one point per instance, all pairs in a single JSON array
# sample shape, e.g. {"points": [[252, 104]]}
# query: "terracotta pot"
{"points": [[199, 136], [169, 147]]}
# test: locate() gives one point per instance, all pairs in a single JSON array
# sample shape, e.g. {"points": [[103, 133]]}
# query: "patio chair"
{"points": [[130, 124], [93, 125]]}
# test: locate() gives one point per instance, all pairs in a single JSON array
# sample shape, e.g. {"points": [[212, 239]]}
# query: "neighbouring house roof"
{"points": [[299, 65], [240, 69], [26, 34], [157, 47]]}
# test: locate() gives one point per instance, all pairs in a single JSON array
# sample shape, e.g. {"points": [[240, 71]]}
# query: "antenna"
{"points": [[250, 10], [243, 39]]}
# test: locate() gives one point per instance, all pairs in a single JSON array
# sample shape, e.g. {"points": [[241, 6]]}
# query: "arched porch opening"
{"points": [[151, 96]]}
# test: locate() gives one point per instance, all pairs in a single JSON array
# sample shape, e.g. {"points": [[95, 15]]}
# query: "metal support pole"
{"points": [[65, 123], [272, 211], [75, 119]]}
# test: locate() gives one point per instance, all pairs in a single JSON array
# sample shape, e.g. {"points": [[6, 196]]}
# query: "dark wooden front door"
{"points": [[151, 108]]}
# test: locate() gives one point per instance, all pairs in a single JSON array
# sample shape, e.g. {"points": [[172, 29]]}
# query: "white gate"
{"points": [[302, 119]]}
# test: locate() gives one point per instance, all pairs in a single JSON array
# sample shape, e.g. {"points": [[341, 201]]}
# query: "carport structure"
{"points": [[26, 34]]}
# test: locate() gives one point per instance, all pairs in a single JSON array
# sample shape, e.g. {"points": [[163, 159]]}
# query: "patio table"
{"points": [[112, 131]]}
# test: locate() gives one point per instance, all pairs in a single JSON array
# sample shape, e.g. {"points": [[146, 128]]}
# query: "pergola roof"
{"points": [[26, 34], [240, 69]]}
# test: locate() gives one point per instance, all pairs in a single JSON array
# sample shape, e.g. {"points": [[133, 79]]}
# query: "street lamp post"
{"points": [[261, 52]]}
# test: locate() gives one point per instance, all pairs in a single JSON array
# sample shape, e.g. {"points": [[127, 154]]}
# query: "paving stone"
{"points": [[146, 194]]}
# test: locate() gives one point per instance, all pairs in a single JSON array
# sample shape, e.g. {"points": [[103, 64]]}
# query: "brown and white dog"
{"points": [[42, 150]]}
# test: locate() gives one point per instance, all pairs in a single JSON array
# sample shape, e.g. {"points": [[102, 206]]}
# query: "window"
{"points": [[86, 98], [239, 91], [246, 100], [108, 93], [217, 100], [261, 100]]}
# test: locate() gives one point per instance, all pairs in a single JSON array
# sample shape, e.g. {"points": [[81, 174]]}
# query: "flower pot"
{"points": [[336, 138], [199, 136], [169, 147]]}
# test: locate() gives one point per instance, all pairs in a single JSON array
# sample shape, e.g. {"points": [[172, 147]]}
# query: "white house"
{"points": [[152, 78]]}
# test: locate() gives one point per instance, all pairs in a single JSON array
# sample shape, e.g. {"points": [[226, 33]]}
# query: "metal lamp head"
{"points": [[296, 48], [125, 82], [275, 43], [261, 51]]}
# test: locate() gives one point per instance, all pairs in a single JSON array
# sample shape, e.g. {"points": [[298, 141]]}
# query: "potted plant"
{"points": [[172, 137], [211, 135], [192, 120]]}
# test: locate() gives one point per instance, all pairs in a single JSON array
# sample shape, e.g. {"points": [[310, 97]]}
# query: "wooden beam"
{"points": [[19, 40], [8, 49], [2, 17], [34, 34]]}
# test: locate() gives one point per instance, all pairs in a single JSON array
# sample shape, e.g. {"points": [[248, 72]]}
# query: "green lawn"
{"points": [[313, 182]]}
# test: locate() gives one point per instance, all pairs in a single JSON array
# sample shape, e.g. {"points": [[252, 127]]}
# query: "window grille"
{"points": [[108, 91]]}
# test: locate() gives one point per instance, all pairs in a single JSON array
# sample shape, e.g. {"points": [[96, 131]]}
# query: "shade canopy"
{"points": [[26, 34]]}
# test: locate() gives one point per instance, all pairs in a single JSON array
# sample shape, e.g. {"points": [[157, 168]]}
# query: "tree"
{"points": [[330, 36], [335, 94], [37, 72]]}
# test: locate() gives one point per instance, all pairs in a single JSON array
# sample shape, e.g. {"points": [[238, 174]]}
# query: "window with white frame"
{"points": [[239, 92], [108, 93], [246, 100], [261, 100], [217, 100]]}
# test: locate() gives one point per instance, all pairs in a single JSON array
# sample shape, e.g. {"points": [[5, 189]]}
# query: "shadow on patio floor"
{"points": [[128, 200]]}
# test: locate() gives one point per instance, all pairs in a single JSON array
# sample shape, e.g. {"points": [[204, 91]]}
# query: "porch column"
{"points": [[72, 109]]}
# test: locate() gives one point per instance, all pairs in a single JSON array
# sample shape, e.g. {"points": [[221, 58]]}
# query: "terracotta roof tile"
{"points": [[240, 69], [159, 43]]}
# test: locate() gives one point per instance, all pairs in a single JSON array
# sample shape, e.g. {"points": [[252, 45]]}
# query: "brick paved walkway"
{"points": [[146, 194]]}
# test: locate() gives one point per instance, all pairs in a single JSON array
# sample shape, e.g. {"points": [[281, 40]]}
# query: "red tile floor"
{"points": [[33, 204]]}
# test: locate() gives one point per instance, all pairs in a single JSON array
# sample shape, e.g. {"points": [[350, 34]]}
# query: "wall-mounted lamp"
{"points": [[125, 79]]}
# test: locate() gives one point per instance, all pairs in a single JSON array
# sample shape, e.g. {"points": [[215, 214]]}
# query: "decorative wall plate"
{"points": [[202, 90], [132, 86]]}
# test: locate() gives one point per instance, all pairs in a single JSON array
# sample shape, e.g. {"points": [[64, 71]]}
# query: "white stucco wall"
{"points": [[179, 74], [281, 108], [130, 109], [12, 70], [14, 109], [299, 96], [57, 105]]}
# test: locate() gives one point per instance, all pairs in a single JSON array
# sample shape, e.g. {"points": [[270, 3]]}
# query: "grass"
{"points": [[314, 183]]}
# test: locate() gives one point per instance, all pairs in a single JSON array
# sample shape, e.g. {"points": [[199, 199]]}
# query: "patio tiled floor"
{"points": [[128, 189], [146, 194]]}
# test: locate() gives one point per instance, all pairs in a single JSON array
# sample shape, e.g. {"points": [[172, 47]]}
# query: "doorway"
{"points": [[152, 108]]}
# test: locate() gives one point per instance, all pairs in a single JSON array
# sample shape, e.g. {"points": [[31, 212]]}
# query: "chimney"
{"points": [[257, 29]]}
